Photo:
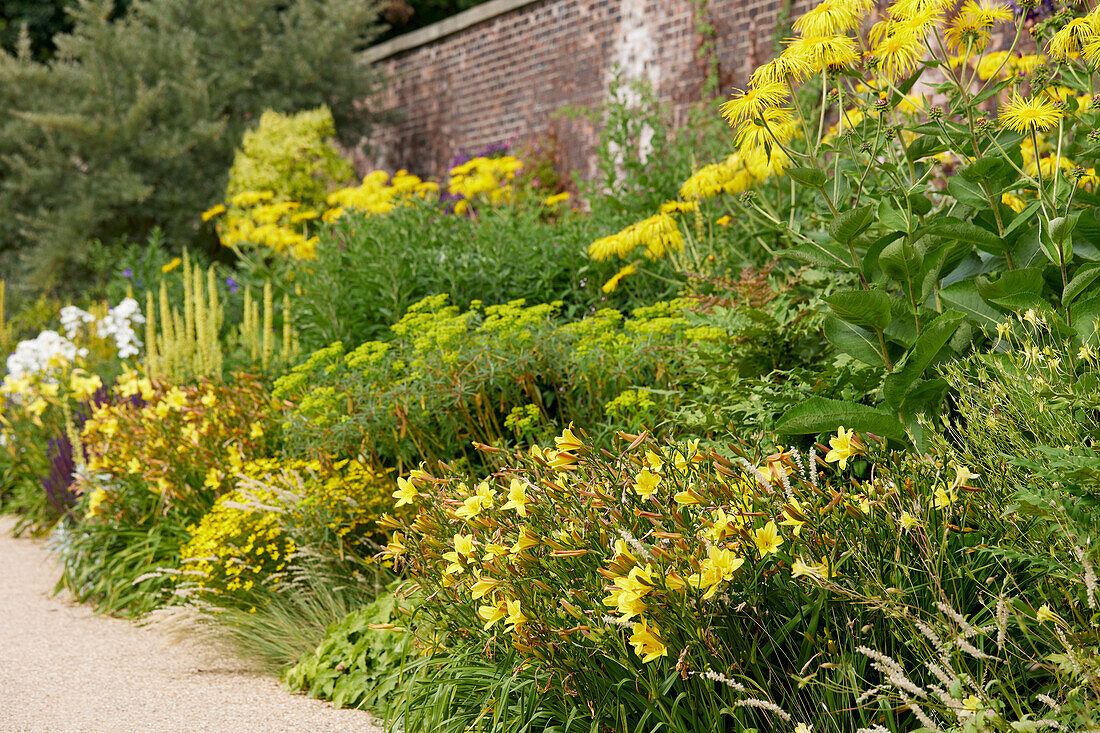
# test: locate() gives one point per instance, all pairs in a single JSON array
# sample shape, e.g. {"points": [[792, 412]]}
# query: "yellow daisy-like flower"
{"points": [[825, 52], [754, 101], [973, 23], [774, 125], [831, 17], [1037, 114], [780, 70], [1073, 37], [899, 54], [613, 283]]}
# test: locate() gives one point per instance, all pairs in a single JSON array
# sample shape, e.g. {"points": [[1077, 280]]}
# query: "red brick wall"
{"points": [[510, 76]]}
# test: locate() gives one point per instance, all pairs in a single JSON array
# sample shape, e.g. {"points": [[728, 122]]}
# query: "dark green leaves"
{"points": [[822, 415], [865, 308], [848, 225]]}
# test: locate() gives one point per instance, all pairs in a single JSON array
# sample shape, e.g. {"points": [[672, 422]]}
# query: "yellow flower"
{"points": [[396, 545], [754, 101], [568, 441], [176, 261], [525, 541], [647, 641], [406, 493], [556, 198], [718, 567], [213, 211], [803, 728], [1037, 114], [613, 282], [972, 703], [800, 568], [483, 586], [1073, 38], [515, 617], [899, 54], [491, 614], [723, 220], [831, 17], [517, 498], [646, 483], [83, 385], [825, 52], [780, 70], [794, 516], [1044, 614], [944, 498], [464, 544], [962, 475], [1013, 201], [767, 539], [842, 447], [907, 521], [687, 497]]}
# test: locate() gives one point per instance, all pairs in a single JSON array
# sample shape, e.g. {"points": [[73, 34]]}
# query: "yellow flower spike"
{"points": [[646, 483], [767, 539], [843, 447]]}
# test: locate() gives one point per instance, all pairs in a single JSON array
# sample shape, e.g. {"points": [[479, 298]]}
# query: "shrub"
{"points": [[451, 377], [82, 162]]}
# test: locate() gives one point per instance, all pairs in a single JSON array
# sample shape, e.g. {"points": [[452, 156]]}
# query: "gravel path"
{"points": [[65, 670]]}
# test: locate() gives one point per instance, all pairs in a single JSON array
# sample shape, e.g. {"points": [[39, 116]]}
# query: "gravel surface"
{"points": [[65, 670]]}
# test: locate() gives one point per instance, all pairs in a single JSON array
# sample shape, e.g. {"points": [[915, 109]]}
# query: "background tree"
{"points": [[133, 123]]}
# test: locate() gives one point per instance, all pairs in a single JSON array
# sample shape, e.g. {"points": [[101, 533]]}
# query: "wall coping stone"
{"points": [[446, 27]]}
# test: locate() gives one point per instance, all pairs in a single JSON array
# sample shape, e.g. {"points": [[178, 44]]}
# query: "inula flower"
{"points": [[1037, 114]]}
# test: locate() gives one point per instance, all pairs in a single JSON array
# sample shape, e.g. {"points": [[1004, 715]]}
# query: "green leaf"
{"points": [[807, 176], [901, 260], [1026, 216], [928, 345], [848, 225], [1084, 277], [964, 296], [1060, 237], [982, 169], [822, 254], [866, 308], [823, 415], [965, 231], [1012, 290], [925, 146], [967, 193], [859, 343]]}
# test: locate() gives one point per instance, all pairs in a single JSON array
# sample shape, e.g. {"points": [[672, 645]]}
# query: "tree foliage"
{"points": [[133, 124]]}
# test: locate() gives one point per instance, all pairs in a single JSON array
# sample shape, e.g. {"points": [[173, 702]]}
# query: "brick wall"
{"points": [[510, 76]]}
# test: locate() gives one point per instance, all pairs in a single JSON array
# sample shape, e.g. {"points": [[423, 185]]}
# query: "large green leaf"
{"points": [[866, 308], [901, 260], [824, 415], [807, 176], [848, 225], [857, 342], [967, 193], [965, 231], [1012, 290], [964, 297], [1080, 282], [932, 340], [822, 254]]}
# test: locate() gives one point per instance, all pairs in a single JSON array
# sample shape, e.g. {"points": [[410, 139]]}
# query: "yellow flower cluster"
{"points": [[255, 219], [378, 194], [178, 440], [484, 177], [250, 532], [657, 234], [567, 546]]}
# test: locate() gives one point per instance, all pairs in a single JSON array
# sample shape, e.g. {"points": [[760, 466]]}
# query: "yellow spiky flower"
{"points": [[824, 52], [1036, 114], [754, 101]]}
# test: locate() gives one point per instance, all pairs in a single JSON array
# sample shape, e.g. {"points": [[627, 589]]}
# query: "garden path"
{"points": [[65, 670]]}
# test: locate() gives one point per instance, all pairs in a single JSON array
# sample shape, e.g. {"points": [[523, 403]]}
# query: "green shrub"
{"points": [[134, 123], [450, 377]]}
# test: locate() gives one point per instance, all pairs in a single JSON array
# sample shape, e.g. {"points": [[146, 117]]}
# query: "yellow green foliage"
{"points": [[291, 155], [251, 532]]}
